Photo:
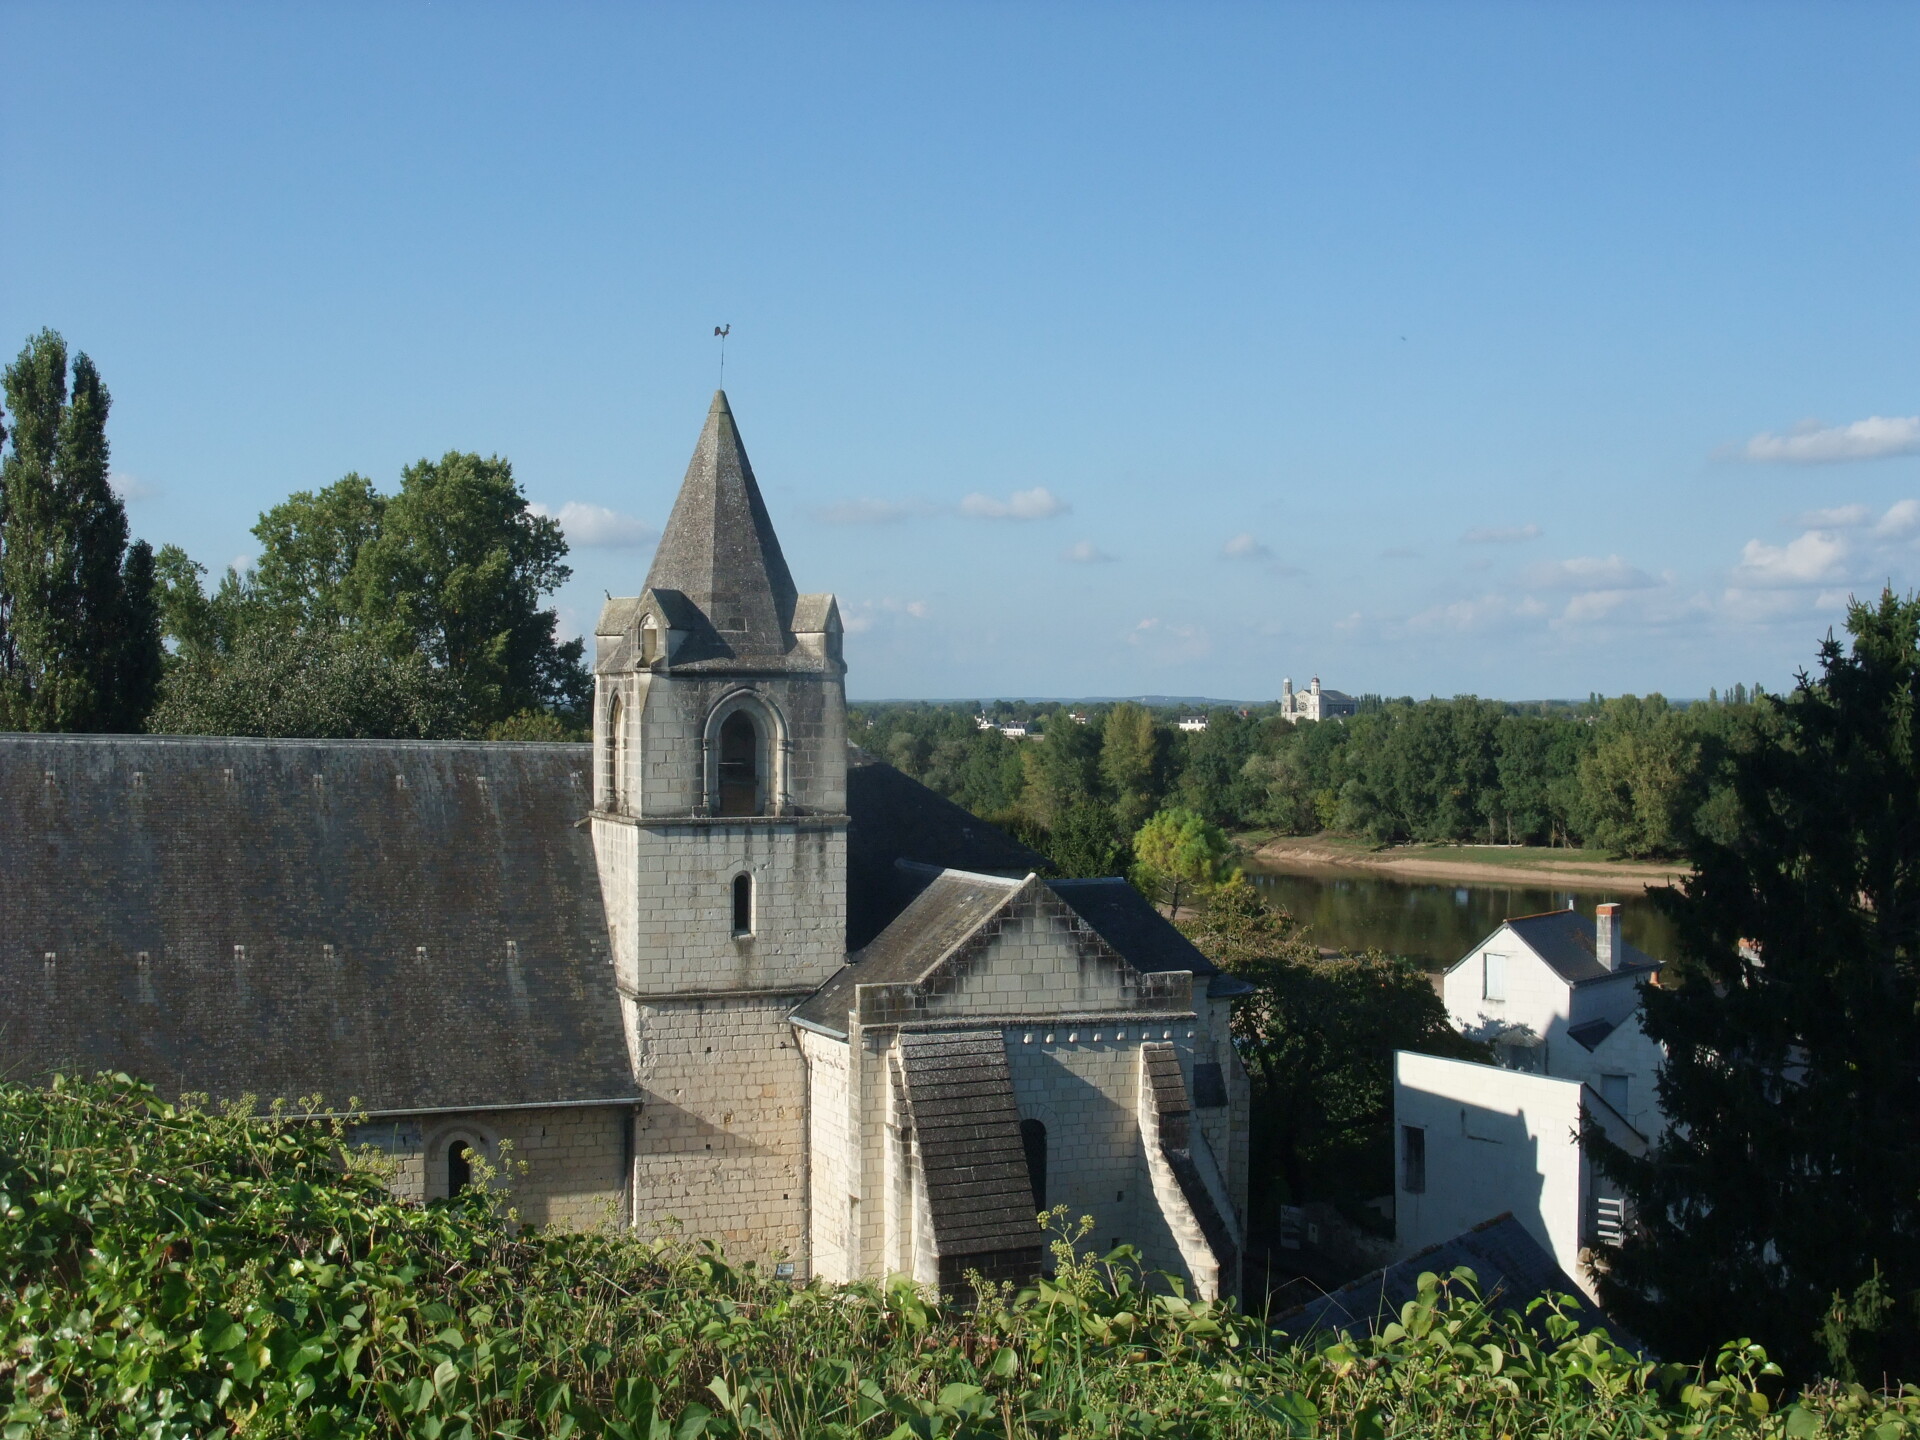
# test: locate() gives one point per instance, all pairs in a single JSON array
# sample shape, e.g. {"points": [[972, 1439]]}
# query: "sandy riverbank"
{"points": [[1467, 864]]}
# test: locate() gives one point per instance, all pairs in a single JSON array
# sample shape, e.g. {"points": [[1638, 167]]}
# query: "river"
{"points": [[1435, 922]]}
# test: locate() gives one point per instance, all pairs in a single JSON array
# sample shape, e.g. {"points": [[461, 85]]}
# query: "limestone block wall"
{"points": [[721, 1142], [560, 1167], [829, 1139], [812, 714], [669, 901]]}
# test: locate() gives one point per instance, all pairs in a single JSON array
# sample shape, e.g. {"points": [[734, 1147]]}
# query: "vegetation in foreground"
{"points": [[172, 1272]]}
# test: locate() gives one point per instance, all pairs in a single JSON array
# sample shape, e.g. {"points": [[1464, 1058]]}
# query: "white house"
{"points": [[1558, 996], [1193, 724], [1477, 1141]]}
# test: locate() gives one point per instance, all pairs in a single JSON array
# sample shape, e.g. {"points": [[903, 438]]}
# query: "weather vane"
{"points": [[722, 331]]}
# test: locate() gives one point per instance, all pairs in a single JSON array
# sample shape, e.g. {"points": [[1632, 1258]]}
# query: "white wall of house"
{"points": [[1494, 1141], [1527, 994], [1623, 1070]]}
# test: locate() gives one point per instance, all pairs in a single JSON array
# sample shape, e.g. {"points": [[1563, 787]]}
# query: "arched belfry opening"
{"points": [[742, 781], [614, 796]]}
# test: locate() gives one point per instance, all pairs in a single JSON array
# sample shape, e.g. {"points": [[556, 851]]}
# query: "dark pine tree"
{"points": [[1784, 1203], [79, 627]]}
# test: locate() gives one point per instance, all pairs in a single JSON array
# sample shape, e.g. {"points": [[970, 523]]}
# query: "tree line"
{"points": [[1635, 775], [415, 614]]}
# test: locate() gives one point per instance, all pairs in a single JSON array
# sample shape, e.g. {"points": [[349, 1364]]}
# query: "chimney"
{"points": [[1608, 948]]}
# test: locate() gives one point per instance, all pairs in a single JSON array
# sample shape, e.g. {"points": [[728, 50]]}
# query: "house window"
{"points": [[1613, 1090], [1033, 1139], [1413, 1159], [1495, 986], [459, 1168], [739, 765], [742, 905], [614, 742], [649, 641]]}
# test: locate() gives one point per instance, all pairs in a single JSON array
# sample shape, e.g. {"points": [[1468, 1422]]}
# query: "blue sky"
{"points": [[1521, 350]]}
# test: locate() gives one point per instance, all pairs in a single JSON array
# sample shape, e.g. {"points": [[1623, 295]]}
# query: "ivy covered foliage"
{"points": [[171, 1272]]}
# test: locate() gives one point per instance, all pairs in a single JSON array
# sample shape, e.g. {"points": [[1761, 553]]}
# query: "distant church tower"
{"points": [[719, 824]]}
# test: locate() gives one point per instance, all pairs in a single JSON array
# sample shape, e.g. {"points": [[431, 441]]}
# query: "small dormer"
{"points": [[817, 630]]}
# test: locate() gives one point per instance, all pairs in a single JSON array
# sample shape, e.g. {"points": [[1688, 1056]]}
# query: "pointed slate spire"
{"points": [[719, 549]]}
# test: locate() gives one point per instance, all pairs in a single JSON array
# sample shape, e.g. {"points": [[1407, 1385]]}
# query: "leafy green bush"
{"points": [[173, 1272]]}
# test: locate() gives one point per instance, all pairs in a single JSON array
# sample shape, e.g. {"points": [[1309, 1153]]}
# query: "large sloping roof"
{"points": [[1122, 917], [719, 550], [1567, 941], [950, 906], [414, 925], [892, 817], [1510, 1266]]}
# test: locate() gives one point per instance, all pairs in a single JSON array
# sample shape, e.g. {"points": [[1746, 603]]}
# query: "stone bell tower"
{"points": [[719, 823]]}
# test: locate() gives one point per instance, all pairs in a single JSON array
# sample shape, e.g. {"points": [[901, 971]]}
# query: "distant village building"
{"points": [[1193, 724], [716, 968], [1559, 999], [1313, 703], [1015, 731]]}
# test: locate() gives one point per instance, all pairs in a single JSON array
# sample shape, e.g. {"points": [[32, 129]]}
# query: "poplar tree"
{"points": [[79, 630], [1784, 1202]]}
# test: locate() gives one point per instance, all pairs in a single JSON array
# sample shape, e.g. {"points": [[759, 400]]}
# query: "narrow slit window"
{"points": [[743, 905], [459, 1168], [1413, 1159], [1033, 1139], [616, 782]]}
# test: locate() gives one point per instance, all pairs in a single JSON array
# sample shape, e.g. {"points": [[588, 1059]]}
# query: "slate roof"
{"points": [[317, 917], [1121, 916], [891, 818], [1567, 941], [966, 1127], [950, 906], [719, 550], [1511, 1267]]}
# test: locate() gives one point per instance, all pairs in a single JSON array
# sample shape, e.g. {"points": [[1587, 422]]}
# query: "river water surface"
{"points": [[1436, 921]]}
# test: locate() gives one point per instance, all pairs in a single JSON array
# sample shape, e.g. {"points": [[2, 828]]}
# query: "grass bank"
{"points": [[173, 1273]]}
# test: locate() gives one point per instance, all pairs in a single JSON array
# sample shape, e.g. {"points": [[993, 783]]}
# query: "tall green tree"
{"points": [[310, 546], [79, 630], [457, 572], [1784, 1202], [1133, 755], [1180, 856]]}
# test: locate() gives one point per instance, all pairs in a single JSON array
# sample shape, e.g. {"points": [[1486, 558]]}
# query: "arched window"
{"points": [[615, 742], [740, 792], [649, 641], [1033, 1139], [743, 905], [459, 1168]]}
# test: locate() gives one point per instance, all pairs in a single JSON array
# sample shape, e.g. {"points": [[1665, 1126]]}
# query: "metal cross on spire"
{"points": [[722, 331]]}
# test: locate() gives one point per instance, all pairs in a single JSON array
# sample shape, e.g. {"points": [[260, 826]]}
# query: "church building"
{"points": [[720, 969]]}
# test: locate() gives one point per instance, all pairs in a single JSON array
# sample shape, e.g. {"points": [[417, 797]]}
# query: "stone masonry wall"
{"points": [[721, 1139], [829, 1135], [560, 1167]]}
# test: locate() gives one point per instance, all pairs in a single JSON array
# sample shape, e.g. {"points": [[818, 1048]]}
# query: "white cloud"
{"points": [[1245, 547], [1812, 443], [597, 527], [1502, 534], [1902, 518], [132, 487], [1839, 517], [1085, 552], [1038, 503], [1588, 573], [860, 616], [863, 512], [240, 564], [1811, 559], [1480, 613]]}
